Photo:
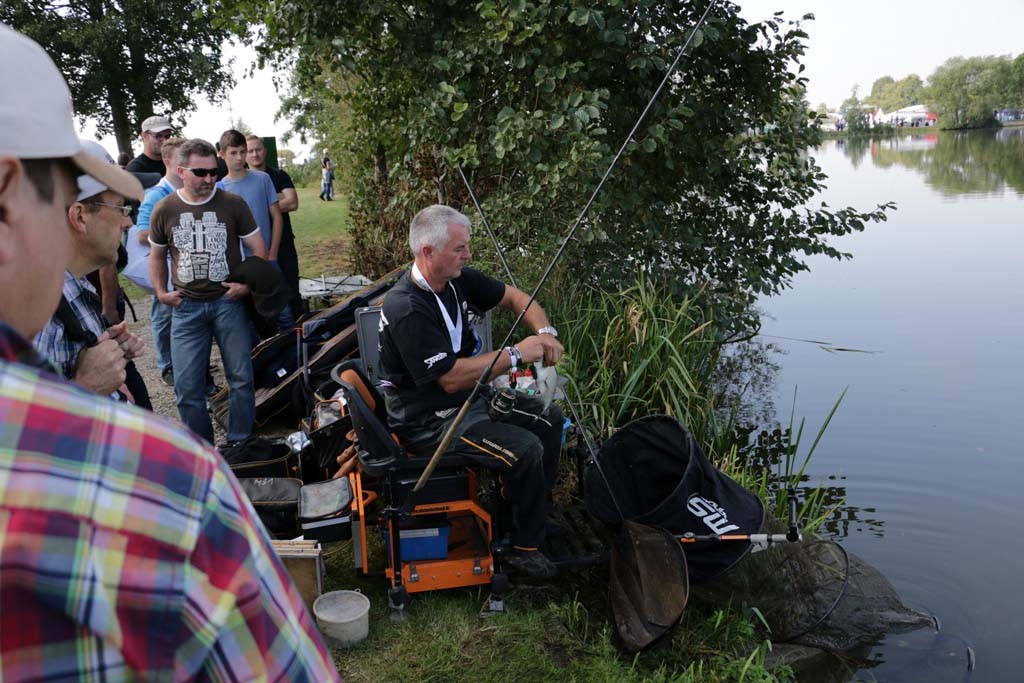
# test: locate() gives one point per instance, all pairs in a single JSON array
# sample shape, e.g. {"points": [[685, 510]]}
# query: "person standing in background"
{"points": [[287, 201], [155, 131], [326, 178], [257, 189]]}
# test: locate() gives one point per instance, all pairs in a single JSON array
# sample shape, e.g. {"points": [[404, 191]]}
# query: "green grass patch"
{"points": [[554, 632], [321, 234]]}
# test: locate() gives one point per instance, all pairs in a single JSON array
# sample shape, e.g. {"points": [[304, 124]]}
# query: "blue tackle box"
{"points": [[423, 537]]}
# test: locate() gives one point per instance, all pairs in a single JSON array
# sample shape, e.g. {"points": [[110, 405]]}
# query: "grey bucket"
{"points": [[343, 617]]}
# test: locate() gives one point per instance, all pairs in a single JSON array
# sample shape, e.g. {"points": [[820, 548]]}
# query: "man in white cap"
{"points": [[78, 340], [155, 131], [128, 551]]}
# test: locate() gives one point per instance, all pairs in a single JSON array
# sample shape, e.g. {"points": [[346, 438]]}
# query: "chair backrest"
{"points": [[378, 449], [368, 334]]}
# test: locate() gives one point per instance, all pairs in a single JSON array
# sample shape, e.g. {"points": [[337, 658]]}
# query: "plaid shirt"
{"points": [[53, 343], [128, 550]]}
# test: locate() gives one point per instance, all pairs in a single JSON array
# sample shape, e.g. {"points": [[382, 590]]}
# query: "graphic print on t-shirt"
{"points": [[202, 248]]}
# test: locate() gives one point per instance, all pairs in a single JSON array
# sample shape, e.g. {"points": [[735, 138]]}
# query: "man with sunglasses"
{"points": [[201, 227], [155, 131], [78, 340]]}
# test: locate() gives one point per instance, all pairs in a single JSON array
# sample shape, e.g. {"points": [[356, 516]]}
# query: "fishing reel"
{"points": [[501, 403]]}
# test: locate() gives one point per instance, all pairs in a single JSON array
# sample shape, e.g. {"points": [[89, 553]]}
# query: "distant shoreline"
{"points": [[891, 132]]}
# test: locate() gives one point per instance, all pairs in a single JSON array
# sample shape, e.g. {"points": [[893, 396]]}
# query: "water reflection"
{"points": [[984, 162]]}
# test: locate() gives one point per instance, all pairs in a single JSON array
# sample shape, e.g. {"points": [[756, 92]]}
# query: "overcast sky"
{"points": [[858, 41], [850, 42]]}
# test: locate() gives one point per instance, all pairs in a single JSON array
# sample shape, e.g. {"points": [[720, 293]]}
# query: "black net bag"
{"points": [[660, 476]]}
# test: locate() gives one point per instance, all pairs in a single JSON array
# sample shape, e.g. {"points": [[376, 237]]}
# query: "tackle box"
{"points": [[423, 537], [325, 510]]}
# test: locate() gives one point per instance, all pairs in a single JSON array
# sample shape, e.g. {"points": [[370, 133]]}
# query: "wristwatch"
{"points": [[550, 329]]}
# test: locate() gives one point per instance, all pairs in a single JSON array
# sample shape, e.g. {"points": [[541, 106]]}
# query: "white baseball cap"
{"points": [[36, 115], [156, 124], [87, 185]]}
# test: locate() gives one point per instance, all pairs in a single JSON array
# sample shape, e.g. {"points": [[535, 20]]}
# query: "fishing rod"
{"points": [[512, 280], [482, 381], [758, 541]]}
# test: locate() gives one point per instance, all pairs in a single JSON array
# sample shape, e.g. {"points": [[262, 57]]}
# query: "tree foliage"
{"points": [[891, 95], [125, 60], [1017, 81], [534, 97], [965, 92]]}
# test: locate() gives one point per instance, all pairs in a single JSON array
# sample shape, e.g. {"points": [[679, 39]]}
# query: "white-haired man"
{"points": [[128, 550], [428, 362]]}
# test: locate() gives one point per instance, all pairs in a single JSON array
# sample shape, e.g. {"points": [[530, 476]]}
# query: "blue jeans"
{"points": [[160, 321], [195, 325]]}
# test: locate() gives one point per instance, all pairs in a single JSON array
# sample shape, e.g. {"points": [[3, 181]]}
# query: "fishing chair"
{"points": [[440, 537]]}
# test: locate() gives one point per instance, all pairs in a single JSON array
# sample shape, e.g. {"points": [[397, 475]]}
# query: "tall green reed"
{"points": [[639, 352]]}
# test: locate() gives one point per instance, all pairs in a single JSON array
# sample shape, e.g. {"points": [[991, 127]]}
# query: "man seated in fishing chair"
{"points": [[427, 362]]}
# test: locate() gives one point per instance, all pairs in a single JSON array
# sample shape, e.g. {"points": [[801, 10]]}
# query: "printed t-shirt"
{"points": [[203, 240], [416, 346]]}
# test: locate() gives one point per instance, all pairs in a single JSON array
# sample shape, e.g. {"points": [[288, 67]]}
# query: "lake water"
{"points": [[925, 447]]}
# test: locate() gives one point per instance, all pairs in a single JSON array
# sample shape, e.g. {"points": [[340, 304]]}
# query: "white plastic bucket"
{"points": [[343, 617]]}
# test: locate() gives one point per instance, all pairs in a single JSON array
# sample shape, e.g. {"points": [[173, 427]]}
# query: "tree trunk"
{"points": [[381, 164], [123, 130]]}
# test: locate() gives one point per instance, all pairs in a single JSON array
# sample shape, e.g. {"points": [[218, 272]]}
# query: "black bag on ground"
{"points": [[660, 476], [276, 500], [321, 459], [255, 456]]}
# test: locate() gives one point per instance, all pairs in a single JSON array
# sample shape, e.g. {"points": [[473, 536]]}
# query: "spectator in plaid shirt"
{"points": [[95, 359], [127, 549]]}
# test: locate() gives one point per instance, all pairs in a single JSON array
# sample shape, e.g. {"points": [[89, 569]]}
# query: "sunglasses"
{"points": [[201, 172], [125, 209], [166, 135]]}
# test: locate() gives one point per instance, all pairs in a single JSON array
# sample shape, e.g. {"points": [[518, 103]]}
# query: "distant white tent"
{"points": [[917, 113]]}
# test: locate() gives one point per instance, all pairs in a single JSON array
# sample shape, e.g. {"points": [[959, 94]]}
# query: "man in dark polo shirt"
{"points": [[287, 201], [429, 363], [155, 131], [202, 227]]}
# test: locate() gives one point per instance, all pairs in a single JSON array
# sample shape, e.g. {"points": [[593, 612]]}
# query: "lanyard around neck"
{"points": [[454, 329]]}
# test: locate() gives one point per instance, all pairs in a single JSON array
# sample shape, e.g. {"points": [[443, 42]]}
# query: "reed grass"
{"points": [[639, 352]]}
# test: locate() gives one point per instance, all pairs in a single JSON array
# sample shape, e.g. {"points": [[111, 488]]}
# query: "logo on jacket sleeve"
{"points": [[433, 360]]}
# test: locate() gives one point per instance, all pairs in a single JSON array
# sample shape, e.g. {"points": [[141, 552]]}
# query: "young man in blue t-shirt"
{"points": [[257, 189]]}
